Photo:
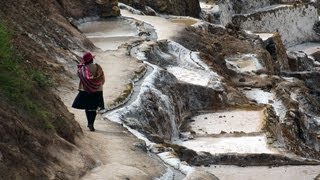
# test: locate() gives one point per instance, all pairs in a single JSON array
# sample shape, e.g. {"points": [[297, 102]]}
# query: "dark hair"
{"points": [[89, 62]]}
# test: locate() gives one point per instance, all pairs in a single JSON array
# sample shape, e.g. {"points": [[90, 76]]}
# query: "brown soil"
{"points": [[26, 140]]}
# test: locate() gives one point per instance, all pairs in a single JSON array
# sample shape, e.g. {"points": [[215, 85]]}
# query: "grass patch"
{"points": [[17, 83], [42, 80], [4, 43]]}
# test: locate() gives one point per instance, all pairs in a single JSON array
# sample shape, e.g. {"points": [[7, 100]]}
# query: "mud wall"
{"points": [[230, 7], [294, 23]]}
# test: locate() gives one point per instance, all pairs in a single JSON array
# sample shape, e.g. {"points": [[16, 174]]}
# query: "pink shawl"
{"points": [[90, 83]]}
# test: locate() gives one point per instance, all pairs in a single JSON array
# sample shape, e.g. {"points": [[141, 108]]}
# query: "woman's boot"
{"points": [[91, 116]]}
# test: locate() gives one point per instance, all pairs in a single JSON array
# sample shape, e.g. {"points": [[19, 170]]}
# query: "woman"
{"points": [[90, 95]]}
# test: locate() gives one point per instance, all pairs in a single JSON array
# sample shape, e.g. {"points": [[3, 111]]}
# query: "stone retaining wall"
{"points": [[294, 22], [230, 7]]}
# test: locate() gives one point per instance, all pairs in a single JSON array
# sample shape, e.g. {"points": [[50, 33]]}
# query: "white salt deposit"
{"points": [[193, 77], [184, 57], [264, 173], [228, 121], [175, 162], [240, 145], [265, 97], [204, 5], [264, 36], [191, 68], [148, 85]]}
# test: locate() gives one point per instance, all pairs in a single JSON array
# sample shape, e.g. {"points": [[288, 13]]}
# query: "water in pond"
{"points": [[165, 28], [244, 63], [108, 35]]}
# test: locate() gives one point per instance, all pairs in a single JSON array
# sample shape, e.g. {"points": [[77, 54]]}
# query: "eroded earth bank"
{"points": [[194, 90]]}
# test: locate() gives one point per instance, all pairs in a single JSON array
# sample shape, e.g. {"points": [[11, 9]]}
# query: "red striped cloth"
{"points": [[90, 83]]}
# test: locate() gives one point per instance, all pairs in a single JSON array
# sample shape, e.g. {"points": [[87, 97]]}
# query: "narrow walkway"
{"points": [[111, 145]]}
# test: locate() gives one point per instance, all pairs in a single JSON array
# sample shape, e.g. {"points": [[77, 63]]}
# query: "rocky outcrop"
{"points": [[300, 129], [174, 7], [83, 8], [299, 61], [230, 7], [137, 4], [278, 52], [108, 8], [215, 44], [159, 112]]}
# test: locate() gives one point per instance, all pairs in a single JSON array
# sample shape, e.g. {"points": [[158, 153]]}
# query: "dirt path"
{"points": [[111, 145]]}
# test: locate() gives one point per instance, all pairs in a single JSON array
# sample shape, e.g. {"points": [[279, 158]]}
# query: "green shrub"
{"points": [[4, 43], [42, 80], [16, 83]]}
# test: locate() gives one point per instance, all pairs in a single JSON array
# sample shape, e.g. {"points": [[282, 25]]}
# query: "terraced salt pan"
{"points": [[108, 35], [264, 173], [221, 145], [185, 65], [244, 63], [165, 28], [265, 97], [200, 77], [232, 121], [190, 76], [308, 48]]}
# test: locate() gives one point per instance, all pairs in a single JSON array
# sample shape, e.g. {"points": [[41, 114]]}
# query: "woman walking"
{"points": [[90, 95]]}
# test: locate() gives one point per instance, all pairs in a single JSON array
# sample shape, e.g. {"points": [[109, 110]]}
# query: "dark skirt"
{"points": [[89, 101]]}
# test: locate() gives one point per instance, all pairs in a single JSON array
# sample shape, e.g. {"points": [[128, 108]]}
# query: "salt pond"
{"points": [[109, 35]]}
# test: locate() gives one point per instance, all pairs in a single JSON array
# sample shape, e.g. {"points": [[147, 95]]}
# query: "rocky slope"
{"points": [[47, 42]]}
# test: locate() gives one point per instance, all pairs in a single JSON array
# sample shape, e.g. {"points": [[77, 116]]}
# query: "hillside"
{"points": [[35, 124]]}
